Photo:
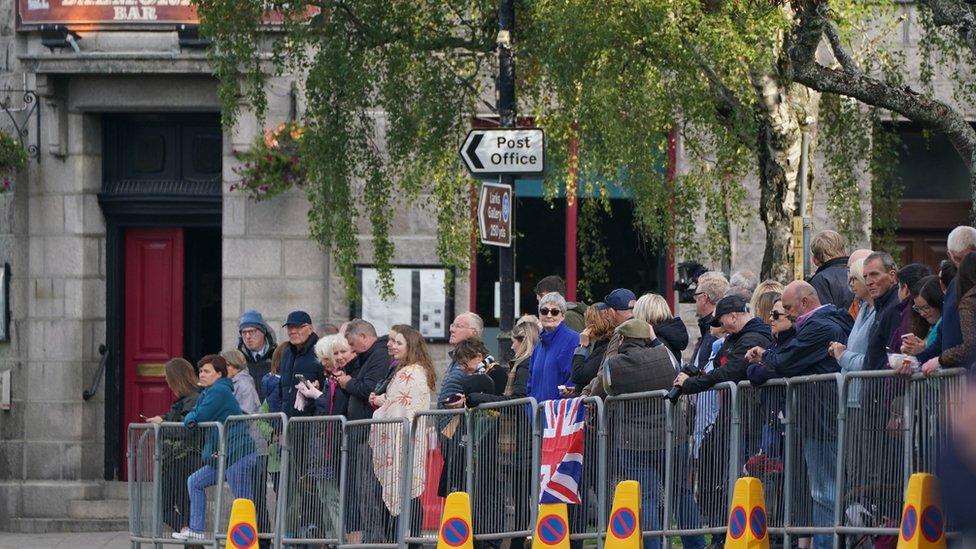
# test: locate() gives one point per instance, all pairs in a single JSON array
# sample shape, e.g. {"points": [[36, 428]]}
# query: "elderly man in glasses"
{"points": [[552, 360]]}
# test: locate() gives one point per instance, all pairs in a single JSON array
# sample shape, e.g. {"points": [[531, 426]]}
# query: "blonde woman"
{"points": [[653, 309], [408, 392], [764, 287]]}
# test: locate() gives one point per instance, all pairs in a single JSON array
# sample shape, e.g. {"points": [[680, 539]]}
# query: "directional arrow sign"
{"points": [[498, 152], [495, 214]]}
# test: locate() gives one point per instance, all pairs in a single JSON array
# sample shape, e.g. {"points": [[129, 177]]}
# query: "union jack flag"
{"points": [[562, 451]]}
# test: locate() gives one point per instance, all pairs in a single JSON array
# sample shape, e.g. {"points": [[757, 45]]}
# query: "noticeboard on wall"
{"points": [[424, 299]]}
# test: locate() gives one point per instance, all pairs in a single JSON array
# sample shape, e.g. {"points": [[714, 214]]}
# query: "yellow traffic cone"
{"points": [[623, 529], [747, 518], [456, 530], [552, 528], [922, 521], [242, 528]]}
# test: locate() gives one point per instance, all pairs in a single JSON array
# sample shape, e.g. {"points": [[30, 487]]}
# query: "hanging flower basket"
{"points": [[273, 163], [13, 158]]}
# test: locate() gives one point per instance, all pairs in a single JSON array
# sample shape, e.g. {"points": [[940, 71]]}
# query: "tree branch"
{"points": [[840, 52], [955, 15], [810, 26]]}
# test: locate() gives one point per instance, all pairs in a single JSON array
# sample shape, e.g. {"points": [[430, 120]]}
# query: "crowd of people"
{"points": [[858, 311]]}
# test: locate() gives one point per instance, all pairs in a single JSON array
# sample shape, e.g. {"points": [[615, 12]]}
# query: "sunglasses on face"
{"points": [[549, 312], [776, 315], [520, 339]]}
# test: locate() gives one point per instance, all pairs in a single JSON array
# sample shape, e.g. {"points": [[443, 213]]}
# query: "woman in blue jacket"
{"points": [[217, 403], [551, 370]]}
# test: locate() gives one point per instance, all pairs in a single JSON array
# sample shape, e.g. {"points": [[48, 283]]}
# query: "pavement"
{"points": [[100, 540]]}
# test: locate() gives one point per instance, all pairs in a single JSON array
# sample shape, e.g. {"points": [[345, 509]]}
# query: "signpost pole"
{"points": [[506, 114]]}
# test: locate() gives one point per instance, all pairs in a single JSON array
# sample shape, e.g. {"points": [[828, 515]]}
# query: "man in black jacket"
{"points": [[745, 332], [298, 358], [881, 278], [830, 280], [372, 365], [806, 354]]}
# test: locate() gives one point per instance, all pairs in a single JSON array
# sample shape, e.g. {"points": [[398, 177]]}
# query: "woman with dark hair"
{"points": [[408, 392], [216, 404], [911, 322], [961, 355], [485, 375], [599, 322], [929, 297], [180, 450]]}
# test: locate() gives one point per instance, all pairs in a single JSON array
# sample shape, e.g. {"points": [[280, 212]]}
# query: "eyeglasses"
{"points": [[247, 332], [698, 294], [923, 309], [549, 312], [776, 315]]}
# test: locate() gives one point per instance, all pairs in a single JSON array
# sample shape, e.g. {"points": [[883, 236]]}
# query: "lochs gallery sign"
{"points": [[98, 13]]}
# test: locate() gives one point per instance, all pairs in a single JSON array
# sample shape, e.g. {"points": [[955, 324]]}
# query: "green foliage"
{"points": [[13, 158], [886, 187], [13, 155], [391, 89], [845, 140], [592, 250]]}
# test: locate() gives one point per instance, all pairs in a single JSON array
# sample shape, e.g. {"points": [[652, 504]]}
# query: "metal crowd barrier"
{"points": [[162, 459], [833, 451]]}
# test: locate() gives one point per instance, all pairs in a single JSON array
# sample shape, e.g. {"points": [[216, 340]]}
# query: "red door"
{"points": [[153, 319]]}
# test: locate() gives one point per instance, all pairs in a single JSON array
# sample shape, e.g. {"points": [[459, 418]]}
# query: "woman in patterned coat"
{"points": [[408, 392]]}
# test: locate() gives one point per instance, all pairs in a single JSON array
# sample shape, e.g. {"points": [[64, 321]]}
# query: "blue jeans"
{"points": [[238, 477], [642, 466], [821, 460]]}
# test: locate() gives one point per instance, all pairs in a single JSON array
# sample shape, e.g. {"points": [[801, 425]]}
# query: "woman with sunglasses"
{"points": [[783, 332], [551, 368]]}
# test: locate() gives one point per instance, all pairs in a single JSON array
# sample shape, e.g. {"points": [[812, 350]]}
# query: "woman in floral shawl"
{"points": [[408, 392]]}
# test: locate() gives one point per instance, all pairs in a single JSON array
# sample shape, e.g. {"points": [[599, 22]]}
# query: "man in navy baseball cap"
{"points": [[621, 301]]}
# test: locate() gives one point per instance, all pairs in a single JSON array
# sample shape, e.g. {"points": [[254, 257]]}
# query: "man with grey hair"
{"points": [[961, 241], [710, 288], [465, 325], [371, 366], [881, 278], [746, 280]]}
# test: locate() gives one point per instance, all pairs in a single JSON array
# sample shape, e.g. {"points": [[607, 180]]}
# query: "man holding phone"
{"points": [[298, 362]]}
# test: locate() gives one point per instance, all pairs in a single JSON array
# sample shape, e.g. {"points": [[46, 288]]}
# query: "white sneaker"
{"points": [[187, 534]]}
